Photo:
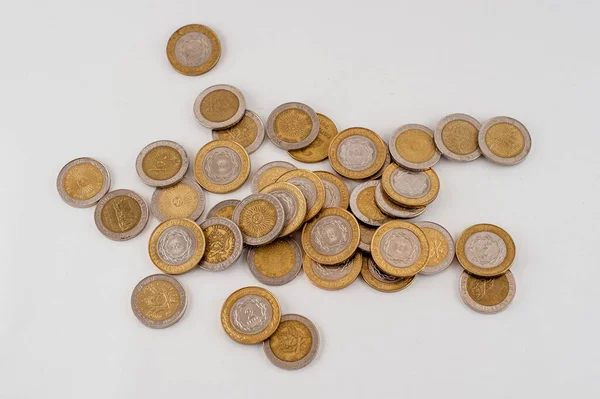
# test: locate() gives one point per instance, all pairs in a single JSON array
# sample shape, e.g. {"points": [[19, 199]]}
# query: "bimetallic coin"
{"points": [[441, 247], [357, 153], [485, 250], [333, 277], [317, 150], [363, 206], [223, 209], [380, 280], [293, 126], [250, 315], [412, 147], [224, 244], [268, 174], [82, 182], [311, 186], [294, 344], [220, 107], [222, 166], [390, 208], [162, 163], [193, 49], [336, 191], [366, 234], [400, 248], [456, 137], [504, 140], [410, 189], [377, 175], [158, 301], [260, 218], [487, 294], [293, 202], [121, 215], [249, 132], [183, 200], [276, 263], [176, 246]]}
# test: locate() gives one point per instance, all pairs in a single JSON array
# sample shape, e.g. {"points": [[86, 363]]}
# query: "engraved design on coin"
{"points": [[193, 49], [176, 245], [357, 153], [121, 214], [162, 163], [460, 136], [220, 243], [487, 291], [504, 140], [219, 105], [291, 341], [410, 184], [258, 218], [381, 275], [251, 314], [290, 206], [485, 249], [333, 196], [83, 181], [293, 125], [331, 235], [158, 300], [307, 188], [400, 247], [222, 165], [334, 272]]}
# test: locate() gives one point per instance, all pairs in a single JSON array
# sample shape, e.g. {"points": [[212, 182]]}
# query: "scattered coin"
{"points": [[366, 234], [162, 163], [222, 166], [224, 244], [276, 263], [293, 202], [441, 247], [357, 153], [380, 280], [82, 182], [293, 126], [390, 208], [268, 174], [311, 186], [504, 140], [487, 294], [249, 132], [158, 301], [294, 344], [485, 250], [377, 175], [400, 248], [412, 147], [410, 189], [336, 191], [185, 199], [333, 277], [223, 209], [317, 150], [456, 137], [176, 246], [193, 49], [220, 107], [260, 218], [121, 215], [363, 206]]}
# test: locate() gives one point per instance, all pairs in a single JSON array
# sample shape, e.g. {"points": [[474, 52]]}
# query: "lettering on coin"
{"points": [[291, 341], [357, 153], [158, 300], [220, 243], [193, 49], [485, 249], [251, 314], [176, 245], [222, 165], [219, 105], [161, 163], [258, 218], [331, 235], [121, 214], [504, 140], [292, 125], [488, 291], [410, 184], [83, 181], [400, 247]]}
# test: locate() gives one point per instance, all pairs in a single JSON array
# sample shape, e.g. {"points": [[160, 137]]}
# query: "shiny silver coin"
{"points": [[121, 215], [185, 199], [293, 126], [158, 301], [390, 208], [223, 209], [362, 204], [260, 218], [366, 234], [242, 132], [277, 263], [220, 107], [377, 175], [83, 182], [290, 341], [441, 248], [487, 294], [415, 148], [456, 137], [224, 244], [268, 174], [504, 141], [162, 163]]}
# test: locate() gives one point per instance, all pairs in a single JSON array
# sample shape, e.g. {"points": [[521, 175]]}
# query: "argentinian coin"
{"points": [[224, 244], [193, 49], [410, 189], [162, 163], [336, 191], [363, 206], [222, 166], [333, 277], [249, 132], [176, 246], [276, 263], [357, 153], [377, 175], [400, 248], [392, 209], [268, 174], [158, 301], [223, 209], [380, 280], [456, 137], [504, 140], [366, 234], [311, 186], [292, 126], [220, 107], [121, 215], [485, 250], [185, 199], [441, 247], [294, 344], [317, 150], [487, 294], [293, 202], [82, 182], [412, 147], [260, 218]]}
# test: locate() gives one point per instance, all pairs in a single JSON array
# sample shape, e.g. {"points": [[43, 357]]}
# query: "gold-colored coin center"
{"points": [[244, 132], [219, 105], [270, 176], [258, 218], [318, 149], [504, 140], [83, 181], [415, 146], [488, 291], [179, 201], [293, 125], [121, 214], [158, 300], [162, 163], [366, 204], [460, 137], [225, 212], [438, 246], [220, 243], [291, 341], [275, 260]]}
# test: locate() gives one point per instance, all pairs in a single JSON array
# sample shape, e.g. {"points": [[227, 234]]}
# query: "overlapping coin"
{"points": [[276, 263], [377, 175], [193, 49], [487, 294], [224, 244], [222, 166], [504, 140], [412, 146], [410, 189], [390, 208], [363, 206], [293, 202], [332, 237], [336, 191], [121, 215], [293, 126], [400, 248], [318, 149], [223, 209], [176, 246], [357, 153], [294, 344], [268, 174], [162, 163], [260, 218], [366, 234], [220, 107], [441, 247], [485, 250], [380, 280], [456, 137], [311, 186], [158, 301], [83, 182], [185, 199], [333, 277], [249, 132]]}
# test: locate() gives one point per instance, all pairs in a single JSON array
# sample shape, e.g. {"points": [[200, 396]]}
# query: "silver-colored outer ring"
{"points": [[163, 323], [310, 356], [237, 249], [403, 162], [89, 202], [154, 208], [390, 208], [128, 235], [275, 164], [447, 261], [185, 163], [354, 204], [301, 144], [276, 280], [512, 289], [229, 122], [439, 141], [260, 132], [221, 205], [274, 233], [485, 150]]}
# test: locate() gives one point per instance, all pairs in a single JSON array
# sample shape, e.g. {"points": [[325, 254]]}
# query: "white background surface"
{"points": [[93, 80]]}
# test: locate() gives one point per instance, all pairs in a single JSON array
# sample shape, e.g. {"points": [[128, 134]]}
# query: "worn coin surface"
{"points": [[224, 244], [366, 234], [485, 250], [363, 206], [121, 215], [504, 140], [158, 301], [82, 182], [185, 199], [276, 263], [293, 202], [390, 208], [249, 132], [357, 153], [487, 294], [268, 174], [317, 150], [408, 188], [250, 315], [333, 277], [260, 218], [220, 107], [176, 246], [193, 49], [293, 126], [336, 191], [222, 166], [412, 147], [441, 247], [456, 137], [294, 344], [223, 209], [380, 280], [311, 186], [162, 163], [400, 248]]}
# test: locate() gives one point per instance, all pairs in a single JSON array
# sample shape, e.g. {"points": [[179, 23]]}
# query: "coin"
{"points": [[294, 344], [317, 150], [380, 280], [249, 132], [193, 49], [162, 163], [223, 244], [176, 246], [222, 166], [363, 206], [357, 153], [268, 174], [158, 301], [121, 215], [220, 107], [412, 147], [333, 277], [223, 209], [336, 191], [293, 202], [82, 182], [250, 315], [331, 237], [293, 126], [311, 186], [504, 140], [456, 137], [183, 200], [377, 175], [487, 294], [366, 234], [441, 247], [276, 263], [392, 209], [400, 248], [485, 250], [260, 218], [408, 188]]}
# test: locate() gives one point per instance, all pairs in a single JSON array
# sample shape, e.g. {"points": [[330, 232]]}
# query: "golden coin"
{"points": [[224, 244], [363, 205], [410, 189], [292, 126], [176, 246], [504, 140], [183, 200], [456, 136], [336, 191], [162, 163], [380, 280], [485, 250], [83, 182], [293, 202], [250, 315], [441, 247], [158, 301], [413, 147], [223, 209], [333, 277], [121, 215], [366, 234], [318, 149], [400, 248], [220, 107], [268, 174], [276, 263], [222, 166], [294, 344], [357, 153], [260, 218], [248, 132], [193, 49], [487, 294], [311, 186]]}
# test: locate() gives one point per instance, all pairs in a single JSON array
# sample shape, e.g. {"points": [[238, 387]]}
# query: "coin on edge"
{"points": [[380, 280], [311, 186], [485, 250], [158, 301], [400, 248], [121, 215], [390, 208], [193, 49], [408, 188], [220, 107], [412, 146], [504, 140], [487, 294], [162, 163], [83, 182], [222, 166], [276, 263], [357, 153], [456, 137], [223, 209], [293, 202], [333, 277], [185, 199], [336, 191], [249, 132], [441, 247], [268, 174], [224, 244], [293, 126], [294, 344], [176, 246], [317, 150], [363, 206], [260, 218], [366, 234]]}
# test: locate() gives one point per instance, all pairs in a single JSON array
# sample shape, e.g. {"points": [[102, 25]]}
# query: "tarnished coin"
{"points": [[220, 107], [317, 150], [294, 344], [400, 248], [410, 189], [260, 218], [293, 126], [331, 237], [176, 246], [487, 294], [311, 186], [441, 247], [121, 215], [224, 244], [223, 209], [412, 147], [268, 174], [249, 132], [193, 49], [357, 153], [504, 140], [336, 191], [485, 250], [333, 277], [183, 200], [158, 301], [250, 315], [456, 137], [390, 208], [377, 175], [162, 163], [82, 182], [276, 263], [366, 234], [380, 280], [222, 166], [363, 206], [293, 202]]}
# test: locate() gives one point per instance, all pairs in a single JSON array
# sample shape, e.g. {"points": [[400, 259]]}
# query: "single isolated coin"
{"points": [[366, 234], [485, 250], [380, 280], [317, 150], [400, 248], [222, 166], [311, 186], [176, 246], [504, 140], [487, 294], [333, 277], [249, 132], [293, 126], [410, 189], [441, 247], [363, 206], [185, 199], [357, 153], [268, 174], [276, 263], [223, 209], [412, 147], [293, 202], [456, 137], [121, 215], [294, 344], [224, 244], [162, 163], [220, 107], [336, 191], [390, 208], [82, 182], [260, 218], [158, 301], [193, 49]]}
